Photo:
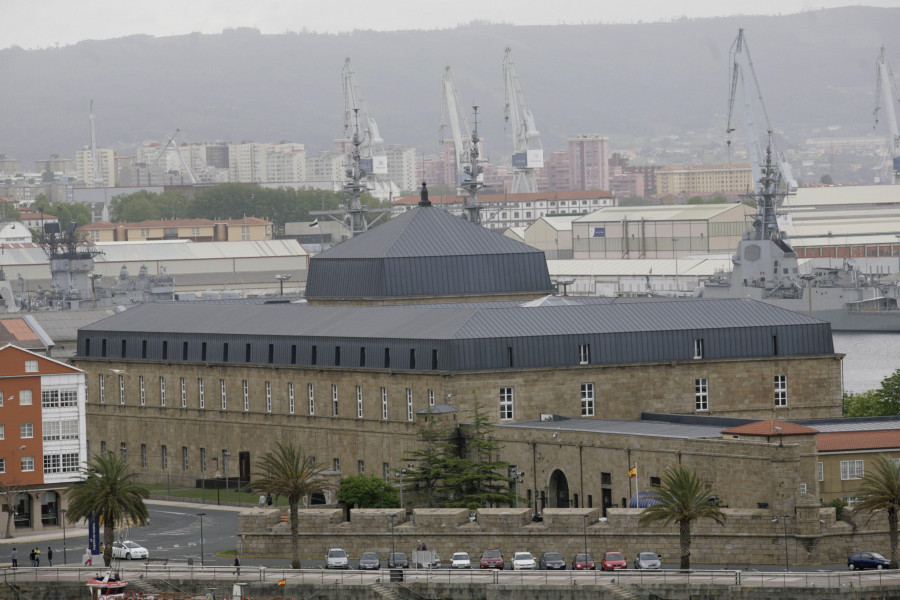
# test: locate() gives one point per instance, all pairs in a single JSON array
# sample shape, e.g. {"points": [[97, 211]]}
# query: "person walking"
{"points": [[269, 498], [237, 566], [87, 559], [262, 500], [15, 558], [37, 557], [31, 556], [50, 556]]}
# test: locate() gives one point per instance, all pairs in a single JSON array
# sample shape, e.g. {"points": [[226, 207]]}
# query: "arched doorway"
{"points": [[23, 509], [50, 508], [559, 490]]}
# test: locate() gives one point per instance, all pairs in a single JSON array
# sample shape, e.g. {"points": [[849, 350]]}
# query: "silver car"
{"points": [[129, 550], [336, 558], [647, 560]]}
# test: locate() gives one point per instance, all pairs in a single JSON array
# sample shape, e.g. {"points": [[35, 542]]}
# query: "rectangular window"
{"points": [[291, 397], [143, 348], [701, 394], [584, 354], [247, 353], [101, 387], [224, 394], [203, 351], [184, 351], [183, 393], [200, 394], [27, 464], [359, 402], [2, 431], [362, 356], [387, 358], [698, 348], [164, 454], [361, 467], [123, 451], [121, 389], [803, 489], [268, 396], [70, 463], [334, 400], [162, 391], [2, 465], [409, 405], [313, 357], [225, 352], [31, 366], [51, 463], [506, 403], [312, 398], [384, 404], [337, 356], [412, 358], [434, 360], [781, 390], [336, 464], [26, 430], [143, 456], [1, 398], [587, 399], [246, 395], [430, 397], [852, 469], [184, 458], [820, 470], [143, 390]]}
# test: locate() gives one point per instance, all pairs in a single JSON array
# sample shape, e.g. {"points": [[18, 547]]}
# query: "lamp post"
{"points": [[225, 455], [400, 474], [584, 519], [391, 560], [784, 518], [63, 513], [518, 477], [218, 477], [201, 515], [282, 277]]}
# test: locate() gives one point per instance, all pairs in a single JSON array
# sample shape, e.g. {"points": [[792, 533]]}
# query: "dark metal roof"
{"points": [[427, 252], [630, 428], [437, 409]]}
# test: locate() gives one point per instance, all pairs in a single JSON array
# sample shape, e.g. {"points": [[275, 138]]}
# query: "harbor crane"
{"points": [[95, 161], [528, 153], [745, 90], [470, 176], [886, 95], [163, 152]]}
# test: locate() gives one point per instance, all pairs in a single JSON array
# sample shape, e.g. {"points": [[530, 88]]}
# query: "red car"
{"points": [[613, 561], [492, 559], [583, 562]]}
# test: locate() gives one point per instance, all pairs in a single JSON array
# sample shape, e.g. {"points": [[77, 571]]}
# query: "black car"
{"points": [[369, 561], [552, 561], [867, 560], [398, 560]]}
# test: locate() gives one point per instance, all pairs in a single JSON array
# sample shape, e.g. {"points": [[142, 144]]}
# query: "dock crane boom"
{"points": [[528, 153], [743, 76], [470, 176], [886, 95]]}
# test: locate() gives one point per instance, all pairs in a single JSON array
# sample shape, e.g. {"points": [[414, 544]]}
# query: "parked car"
{"points": [[336, 558], [523, 561], [647, 560], [460, 560], [129, 550], [552, 561], [492, 559], [369, 561], [583, 562], [867, 560], [398, 560], [613, 561]]}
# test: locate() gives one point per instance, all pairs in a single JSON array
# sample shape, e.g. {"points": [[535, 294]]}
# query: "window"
{"points": [[31, 366], [123, 451], [268, 396], [312, 398], [27, 464], [121, 389], [183, 393], [336, 464], [362, 356], [143, 390], [385, 471], [409, 405], [165, 456], [26, 430], [246, 395], [2, 465], [200, 393], [584, 354], [291, 397], [701, 394], [820, 470], [70, 463], [184, 458], [359, 402], [59, 430], [25, 395], [334, 400], [2, 431], [1, 398], [852, 469], [224, 394], [144, 456], [587, 399], [698, 348], [803, 489], [361, 467], [384, 404], [430, 397], [781, 390], [506, 403]]}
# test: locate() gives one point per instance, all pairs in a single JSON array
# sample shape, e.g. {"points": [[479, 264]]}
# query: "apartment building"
{"points": [[197, 230], [106, 167], [588, 162], [704, 180]]}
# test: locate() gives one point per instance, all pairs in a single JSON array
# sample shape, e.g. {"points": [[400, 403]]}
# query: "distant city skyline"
{"points": [[33, 24]]}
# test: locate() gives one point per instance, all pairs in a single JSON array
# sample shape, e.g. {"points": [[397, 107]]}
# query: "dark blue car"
{"points": [[867, 560]]}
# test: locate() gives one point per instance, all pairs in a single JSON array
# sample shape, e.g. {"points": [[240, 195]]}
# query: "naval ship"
{"points": [[765, 268]]}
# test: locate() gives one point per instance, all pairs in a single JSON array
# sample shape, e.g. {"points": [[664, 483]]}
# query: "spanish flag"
{"points": [[632, 472], [281, 583]]}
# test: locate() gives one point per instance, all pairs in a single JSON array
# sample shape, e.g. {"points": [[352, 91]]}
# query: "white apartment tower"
{"points": [[106, 170]]}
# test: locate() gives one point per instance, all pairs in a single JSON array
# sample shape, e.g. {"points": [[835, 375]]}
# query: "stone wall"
{"points": [[748, 536]]}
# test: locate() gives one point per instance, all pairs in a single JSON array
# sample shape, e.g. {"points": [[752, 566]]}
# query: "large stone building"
{"points": [[431, 314]]}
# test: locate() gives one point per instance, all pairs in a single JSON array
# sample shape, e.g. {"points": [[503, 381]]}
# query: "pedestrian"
{"points": [[237, 566], [15, 558], [31, 556], [37, 557], [86, 559], [50, 556], [269, 498], [262, 500]]}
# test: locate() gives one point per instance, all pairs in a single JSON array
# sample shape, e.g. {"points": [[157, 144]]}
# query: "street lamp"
{"points": [[282, 277], [784, 518], [518, 477], [201, 515], [225, 455], [218, 478], [584, 519], [63, 513], [400, 474], [391, 560]]}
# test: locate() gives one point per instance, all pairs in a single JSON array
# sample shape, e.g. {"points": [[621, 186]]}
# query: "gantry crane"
{"points": [[743, 76], [885, 96], [528, 153], [470, 177]]}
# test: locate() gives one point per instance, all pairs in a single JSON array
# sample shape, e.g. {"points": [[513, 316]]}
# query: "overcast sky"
{"points": [[42, 23]]}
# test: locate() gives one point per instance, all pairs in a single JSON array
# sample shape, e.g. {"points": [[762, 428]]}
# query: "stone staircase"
{"points": [[385, 592], [620, 591], [145, 588]]}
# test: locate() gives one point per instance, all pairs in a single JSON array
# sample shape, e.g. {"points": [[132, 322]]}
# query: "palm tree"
{"points": [[880, 490], [682, 498], [294, 475], [111, 494]]}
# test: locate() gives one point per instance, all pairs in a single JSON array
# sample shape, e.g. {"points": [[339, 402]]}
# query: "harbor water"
{"points": [[870, 357]]}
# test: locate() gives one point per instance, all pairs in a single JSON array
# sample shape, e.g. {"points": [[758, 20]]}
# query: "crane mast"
{"points": [[164, 150], [745, 90], [885, 96], [528, 153], [94, 159], [358, 119], [469, 174]]}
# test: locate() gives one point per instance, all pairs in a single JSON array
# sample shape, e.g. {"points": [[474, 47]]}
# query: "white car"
{"points": [[523, 561], [336, 558], [129, 550], [460, 560]]}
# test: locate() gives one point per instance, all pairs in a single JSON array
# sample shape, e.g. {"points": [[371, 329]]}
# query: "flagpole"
{"points": [[637, 488]]}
